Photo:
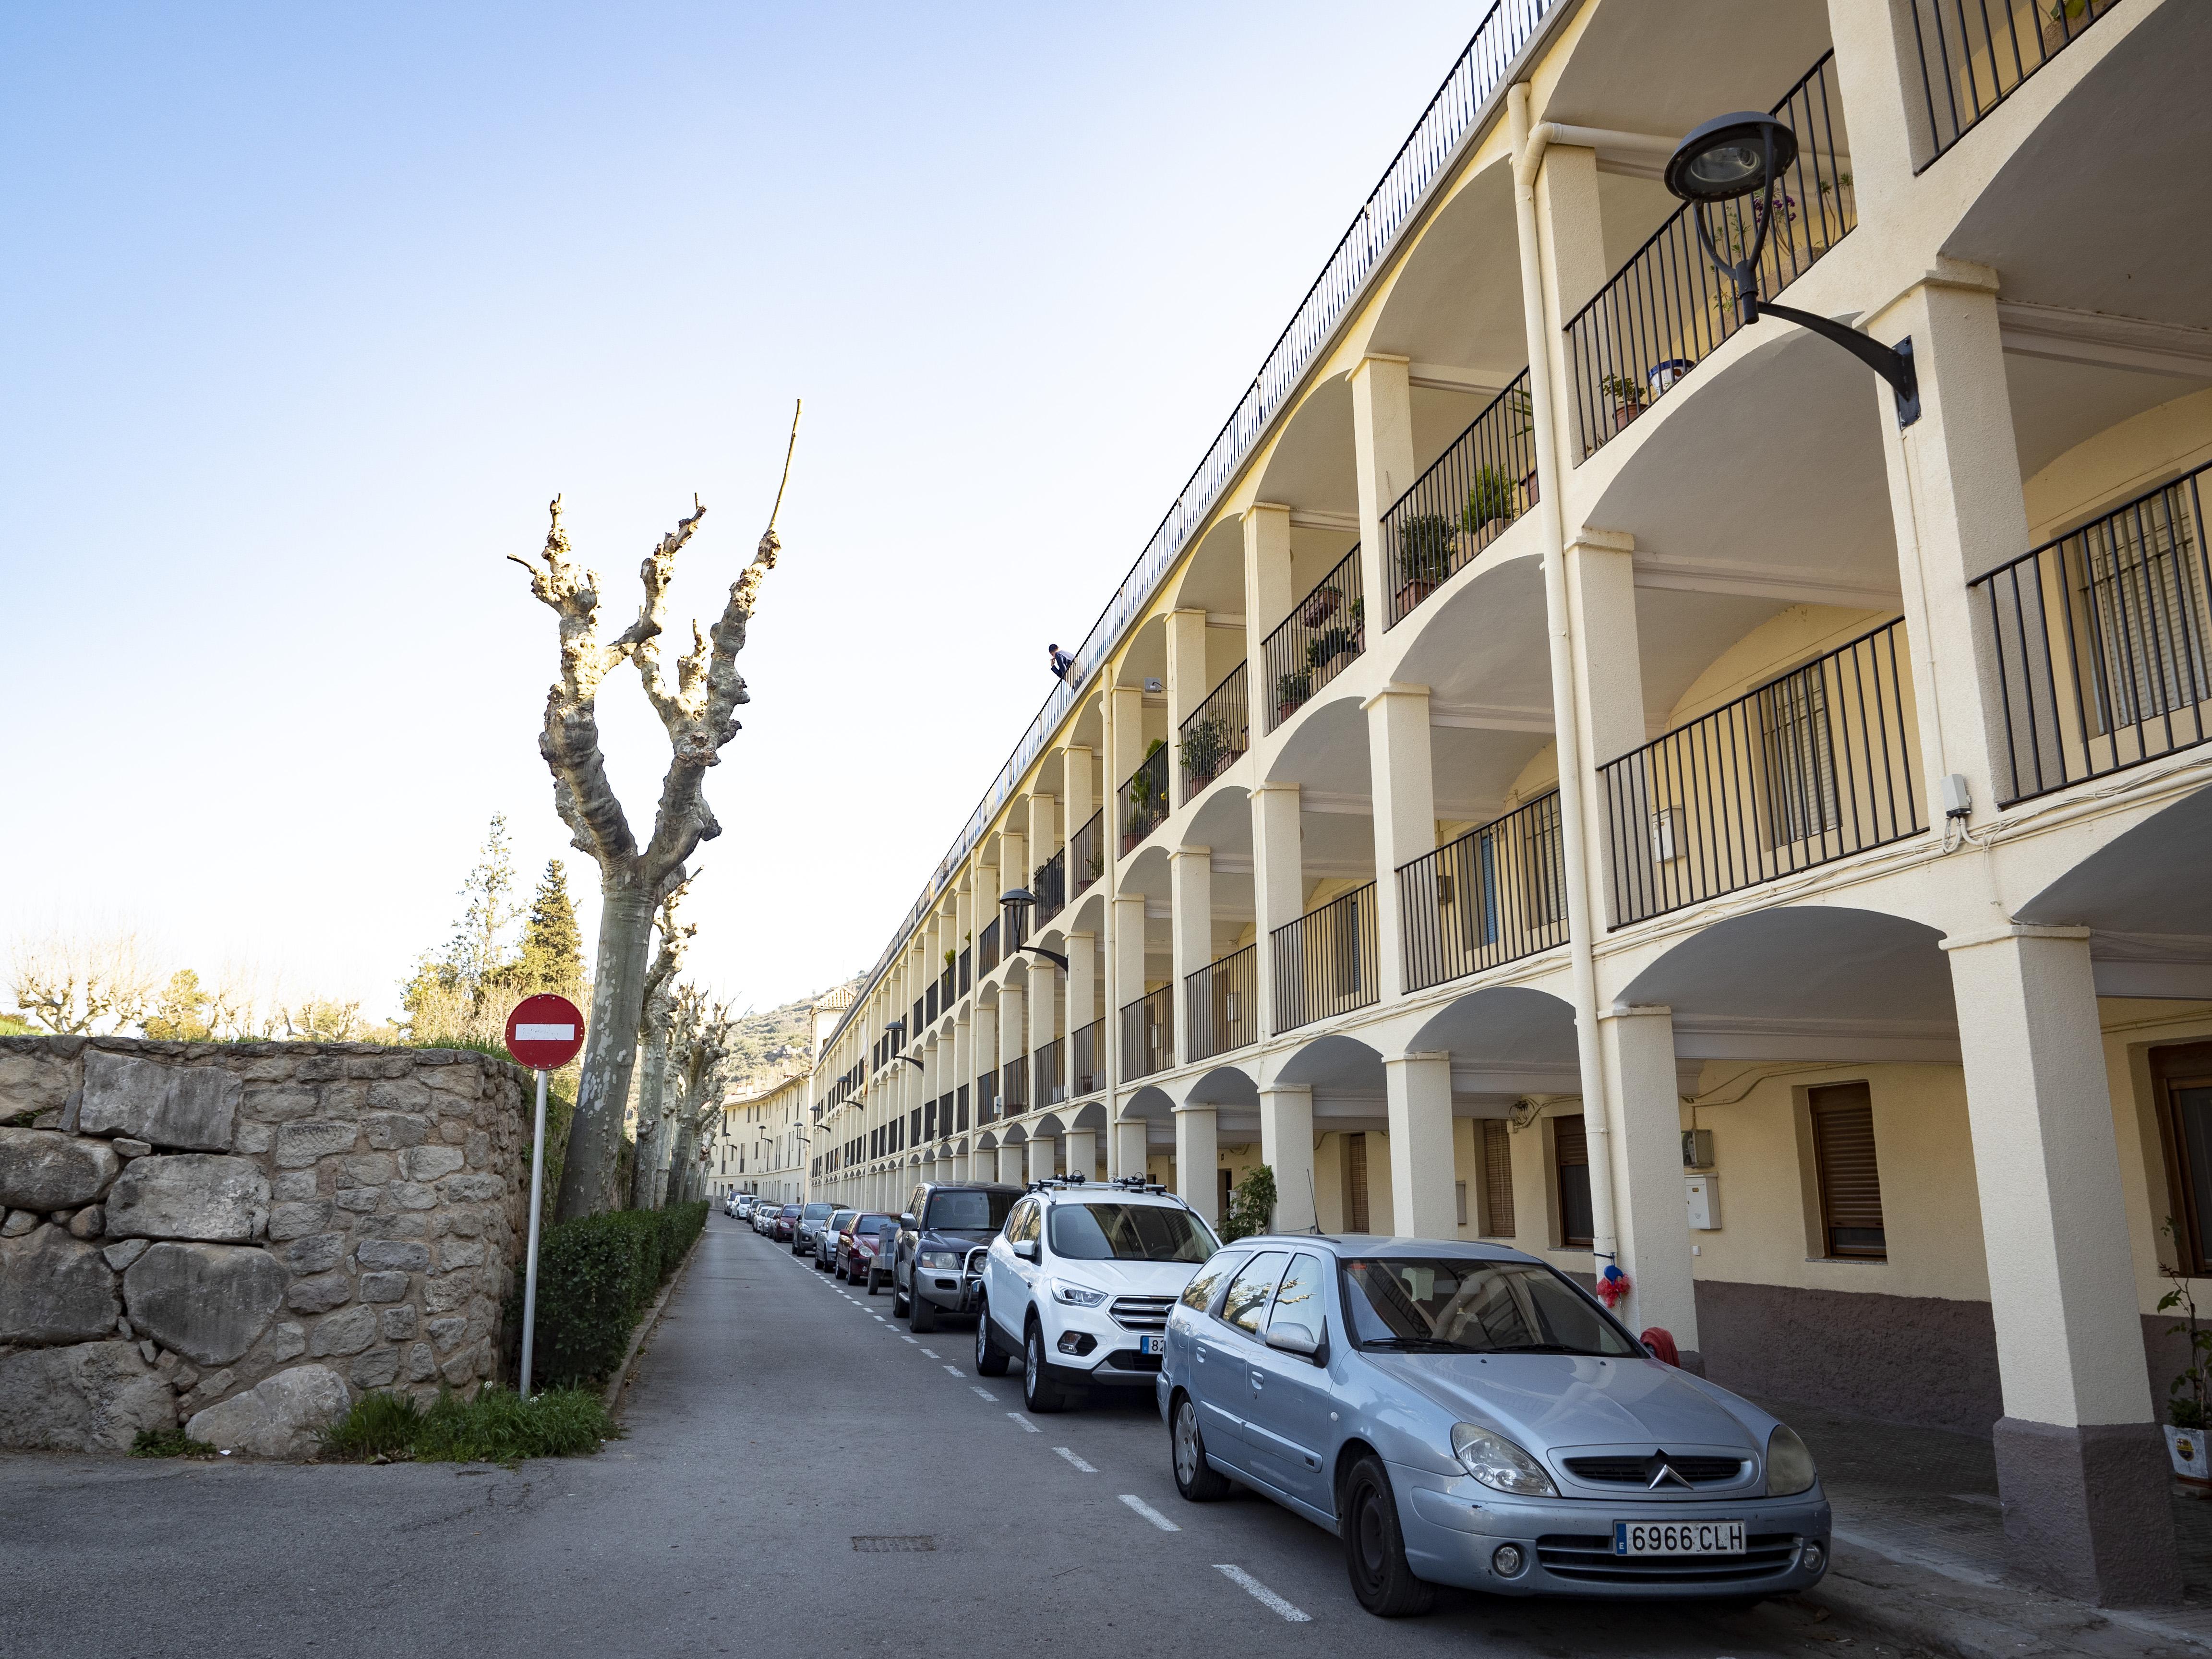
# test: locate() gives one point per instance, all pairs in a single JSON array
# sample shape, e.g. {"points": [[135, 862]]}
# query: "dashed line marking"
{"points": [[1070, 1456], [932, 1352], [879, 1319], [954, 1369], [1027, 1426], [1260, 1593], [904, 1337], [987, 1395], [1149, 1512]]}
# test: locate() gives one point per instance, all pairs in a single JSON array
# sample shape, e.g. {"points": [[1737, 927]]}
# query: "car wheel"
{"points": [[1375, 1546], [924, 1318], [989, 1362], [1194, 1478], [872, 1281], [1039, 1392]]}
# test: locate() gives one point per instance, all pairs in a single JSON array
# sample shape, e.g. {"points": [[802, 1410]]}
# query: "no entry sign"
{"points": [[544, 1032]]}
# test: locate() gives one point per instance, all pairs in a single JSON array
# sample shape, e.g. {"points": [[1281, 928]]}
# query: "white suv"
{"points": [[1079, 1284]]}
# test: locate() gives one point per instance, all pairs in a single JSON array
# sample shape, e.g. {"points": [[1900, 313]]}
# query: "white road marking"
{"points": [[1260, 1593], [987, 1395], [933, 1353], [1028, 1427], [908, 1338], [1149, 1512], [1070, 1456], [954, 1369], [880, 1320]]}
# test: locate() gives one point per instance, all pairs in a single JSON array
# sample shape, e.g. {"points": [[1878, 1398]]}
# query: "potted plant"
{"points": [[1662, 376], [2187, 1394], [1290, 692], [1204, 747], [1320, 606], [1627, 395], [1490, 500], [2060, 23], [1327, 646], [1424, 550]]}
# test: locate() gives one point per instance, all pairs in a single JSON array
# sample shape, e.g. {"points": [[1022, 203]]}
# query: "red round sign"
{"points": [[544, 1032]]}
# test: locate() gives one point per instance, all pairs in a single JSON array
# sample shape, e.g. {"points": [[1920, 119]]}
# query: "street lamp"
{"points": [[1014, 895], [1745, 154]]}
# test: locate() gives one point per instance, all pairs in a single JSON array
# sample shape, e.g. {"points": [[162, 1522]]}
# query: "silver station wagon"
{"points": [[1463, 1414]]}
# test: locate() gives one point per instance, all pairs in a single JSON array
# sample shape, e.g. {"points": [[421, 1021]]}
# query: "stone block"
{"points": [[444, 1333], [54, 1289], [94, 1396], [346, 1333], [18, 1223], [445, 1295], [186, 1108], [205, 1392], [413, 1196], [429, 1163], [344, 1099], [388, 1131], [267, 1071], [398, 1324], [209, 1302], [478, 1149], [253, 1140], [320, 1068], [317, 1253], [42, 1170], [472, 1188], [405, 1255], [126, 1147], [284, 1105], [421, 1363], [87, 1223], [119, 1256], [189, 1195], [285, 1341], [294, 1187], [379, 1368], [392, 1226], [367, 1168], [461, 1253], [461, 1368], [298, 1219], [383, 1287], [401, 1094], [282, 1416], [301, 1144], [463, 1080], [454, 1132], [358, 1201], [319, 1294], [33, 1083]]}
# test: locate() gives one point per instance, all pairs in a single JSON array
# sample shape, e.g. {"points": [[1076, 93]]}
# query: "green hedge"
{"points": [[596, 1278]]}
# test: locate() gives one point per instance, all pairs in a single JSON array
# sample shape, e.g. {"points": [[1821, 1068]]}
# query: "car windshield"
{"points": [[969, 1212], [1439, 1305], [870, 1224], [838, 1222], [1129, 1232], [790, 1209], [815, 1212]]}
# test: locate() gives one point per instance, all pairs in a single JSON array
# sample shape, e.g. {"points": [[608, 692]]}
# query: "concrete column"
{"points": [[1125, 745], [1129, 1149], [1278, 883], [2081, 1463], [1013, 872], [1423, 1204], [963, 1061], [1082, 981], [1013, 1029], [1082, 802], [1651, 1219], [1190, 875], [1128, 973], [983, 1052], [1268, 597], [1606, 660], [1405, 797], [1187, 686], [1382, 455], [1570, 232], [1198, 1155], [1010, 1166], [1080, 1148], [1286, 1146]]}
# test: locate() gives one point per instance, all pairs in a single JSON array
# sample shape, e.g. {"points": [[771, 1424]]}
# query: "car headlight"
{"points": [[1497, 1461], [1789, 1466], [943, 1261], [1080, 1295]]}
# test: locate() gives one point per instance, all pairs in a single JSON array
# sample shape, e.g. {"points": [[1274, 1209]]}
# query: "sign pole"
{"points": [[536, 1201]]}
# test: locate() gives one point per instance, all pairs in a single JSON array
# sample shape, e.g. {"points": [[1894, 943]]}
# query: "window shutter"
{"points": [[1355, 1183], [1851, 1184], [1497, 1180], [1570, 1153]]}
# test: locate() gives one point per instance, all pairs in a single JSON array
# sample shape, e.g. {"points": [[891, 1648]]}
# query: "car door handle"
{"points": [[1259, 1380]]}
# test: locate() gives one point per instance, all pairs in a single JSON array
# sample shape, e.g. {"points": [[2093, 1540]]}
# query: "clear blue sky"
{"points": [[310, 309]]}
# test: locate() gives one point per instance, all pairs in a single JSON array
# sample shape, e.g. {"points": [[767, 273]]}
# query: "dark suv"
{"points": [[937, 1265]]}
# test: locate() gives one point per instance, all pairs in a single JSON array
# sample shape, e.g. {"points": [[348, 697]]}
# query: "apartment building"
{"points": [[1587, 764], [760, 1143]]}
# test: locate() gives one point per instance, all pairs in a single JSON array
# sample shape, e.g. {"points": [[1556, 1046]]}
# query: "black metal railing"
{"points": [[1145, 797], [929, 997], [1477, 487], [986, 950], [1221, 1007], [1322, 636], [1974, 54], [986, 1098], [1494, 895], [1049, 882], [945, 991], [1045, 1073], [920, 1020], [1326, 960], [965, 963], [1810, 768], [2103, 642], [1668, 308], [1086, 1059], [1148, 1034], [1086, 854], [960, 1109], [1014, 1086], [1217, 731]]}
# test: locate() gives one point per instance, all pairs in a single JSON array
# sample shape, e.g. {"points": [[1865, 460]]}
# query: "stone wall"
{"points": [[239, 1239]]}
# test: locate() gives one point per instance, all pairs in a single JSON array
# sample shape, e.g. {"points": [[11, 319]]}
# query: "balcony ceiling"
{"points": [[1643, 68], [1456, 300], [1804, 964], [1310, 466]]}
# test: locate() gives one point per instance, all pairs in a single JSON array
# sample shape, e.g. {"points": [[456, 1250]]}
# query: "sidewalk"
{"points": [[1920, 1551]]}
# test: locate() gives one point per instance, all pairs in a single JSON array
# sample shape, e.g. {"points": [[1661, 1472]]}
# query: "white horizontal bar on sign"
{"points": [[544, 1033]]}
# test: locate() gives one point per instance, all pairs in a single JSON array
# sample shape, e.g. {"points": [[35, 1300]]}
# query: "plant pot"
{"points": [[2186, 1447], [1528, 487], [1285, 710], [1320, 607], [1660, 376], [1623, 414], [1413, 593]]}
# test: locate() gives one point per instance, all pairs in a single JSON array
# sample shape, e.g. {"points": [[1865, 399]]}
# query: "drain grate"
{"points": [[892, 1546]]}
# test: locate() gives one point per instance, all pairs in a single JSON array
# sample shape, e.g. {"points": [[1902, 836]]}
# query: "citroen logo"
{"points": [[1660, 1473]]}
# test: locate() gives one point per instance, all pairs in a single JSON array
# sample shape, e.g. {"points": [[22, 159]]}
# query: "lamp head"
{"points": [[1017, 896], [1730, 156]]}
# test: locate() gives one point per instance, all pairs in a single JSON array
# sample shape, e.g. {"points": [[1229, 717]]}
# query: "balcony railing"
{"points": [[1218, 730], [2103, 640], [929, 998], [960, 1109], [1975, 53], [1086, 855], [1144, 799], [986, 1098], [1325, 961], [1087, 1050], [1812, 767], [1046, 1074], [1148, 1034], [1668, 308], [945, 991], [1495, 894], [1049, 881], [1014, 1086], [1220, 1008], [966, 962], [1322, 636], [986, 950], [1464, 502]]}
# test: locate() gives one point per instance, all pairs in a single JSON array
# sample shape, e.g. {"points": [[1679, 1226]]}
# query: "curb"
{"points": [[612, 1398]]}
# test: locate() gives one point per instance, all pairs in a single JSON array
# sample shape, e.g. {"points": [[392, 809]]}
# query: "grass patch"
{"points": [[497, 1426], [169, 1443]]}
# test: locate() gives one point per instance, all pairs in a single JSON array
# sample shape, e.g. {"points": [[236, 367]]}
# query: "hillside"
{"points": [[776, 1042]]}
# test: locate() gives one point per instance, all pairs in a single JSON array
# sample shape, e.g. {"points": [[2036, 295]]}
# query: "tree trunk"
{"points": [[681, 1159], [653, 1083], [610, 1047]]}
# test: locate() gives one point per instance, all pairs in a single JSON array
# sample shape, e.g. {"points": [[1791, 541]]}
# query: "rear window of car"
{"points": [[1199, 1293], [790, 1209], [969, 1212], [815, 1212], [1129, 1232], [873, 1223]]}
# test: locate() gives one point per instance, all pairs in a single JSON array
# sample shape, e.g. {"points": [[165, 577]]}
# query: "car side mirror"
{"points": [[1299, 1339], [909, 1221], [1026, 1249]]}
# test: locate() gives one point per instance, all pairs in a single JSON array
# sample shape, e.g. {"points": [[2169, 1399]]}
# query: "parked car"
{"points": [[811, 1218], [1079, 1285], [1466, 1414], [785, 1227], [825, 1239], [935, 1266], [859, 1246], [743, 1206], [764, 1215]]}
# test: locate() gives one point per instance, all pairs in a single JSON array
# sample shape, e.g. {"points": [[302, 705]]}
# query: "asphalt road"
{"points": [[777, 1418]]}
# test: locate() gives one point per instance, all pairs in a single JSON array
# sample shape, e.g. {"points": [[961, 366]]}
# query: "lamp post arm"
{"points": [[1894, 366], [1049, 956]]}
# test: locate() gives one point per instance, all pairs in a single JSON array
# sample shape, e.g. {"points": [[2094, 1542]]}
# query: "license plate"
{"points": [[1678, 1538], [1151, 1344]]}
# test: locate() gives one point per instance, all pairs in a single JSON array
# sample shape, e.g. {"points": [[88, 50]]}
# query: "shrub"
{"points": [[378, 1426], [169, 1443], [497, 1426], [596, 1277], [1251, 1205]]}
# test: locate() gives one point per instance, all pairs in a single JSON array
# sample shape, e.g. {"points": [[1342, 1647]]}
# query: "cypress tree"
{"points": [[552, 945]]}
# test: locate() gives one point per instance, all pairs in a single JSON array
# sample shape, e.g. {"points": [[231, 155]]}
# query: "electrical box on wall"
{"points": [[1154, 685], [1697, 1149], [1703, 1193]]}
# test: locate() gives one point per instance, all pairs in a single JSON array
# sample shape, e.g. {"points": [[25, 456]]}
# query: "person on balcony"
{"points": [[1062, 663]]}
